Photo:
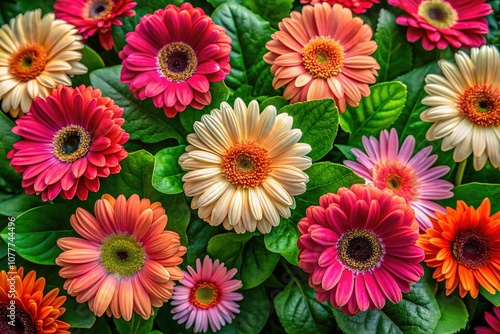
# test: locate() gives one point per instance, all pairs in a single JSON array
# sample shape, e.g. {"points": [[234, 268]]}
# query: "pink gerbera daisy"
{"points": [[439, 23], [359, 247], [206, 296], [388, 166], [493, 320], [94, 16], [173, 55], [126, 262], [357, 6], [70, 140]]}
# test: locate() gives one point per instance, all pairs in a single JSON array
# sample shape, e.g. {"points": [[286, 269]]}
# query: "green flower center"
{"points": [[360, 250], [122, 254], [438, 13]]}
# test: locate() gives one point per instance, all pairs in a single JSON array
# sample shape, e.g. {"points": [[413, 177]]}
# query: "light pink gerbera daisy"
{"points": [[94, 16], [70, 140], [173, 55], [207, 296], [359, 247], [439, 23], [323, 53], [126, 261], [357, 6], [388, 166], [493, 320]]}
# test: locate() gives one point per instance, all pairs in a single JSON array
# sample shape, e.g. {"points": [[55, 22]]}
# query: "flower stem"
{"points": [[460, 172]]}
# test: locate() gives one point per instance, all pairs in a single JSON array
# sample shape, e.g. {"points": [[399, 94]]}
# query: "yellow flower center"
{"points": [[71, 143], [471, 249], [360, 250], [122, 254], [28, 62], [323, 57], [205, 295], [481, 104], [395, 176], [246, 164], [98, 9], [438, 13], [23, 323], [177, 61]]}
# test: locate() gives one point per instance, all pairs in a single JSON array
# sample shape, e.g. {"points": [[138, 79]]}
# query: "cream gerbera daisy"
{"points": [[36, 54], [465, 106], [245, 167]]}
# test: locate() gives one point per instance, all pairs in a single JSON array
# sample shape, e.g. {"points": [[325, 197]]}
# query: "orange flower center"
{"points": [[396, 177], [438, 13], [98, 9], [323, 57], [246, 164], [471, 249], [360, 250], [205, 295], [23, 323], [28, 62], [71, 143], [177, 61], [481, 104]]}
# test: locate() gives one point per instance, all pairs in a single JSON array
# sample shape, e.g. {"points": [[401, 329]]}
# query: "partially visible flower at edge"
{"points": [[493, 320], [357, 6]]}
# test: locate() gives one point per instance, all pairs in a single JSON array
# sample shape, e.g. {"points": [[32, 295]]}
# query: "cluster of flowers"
{"points": [[361, 246]]}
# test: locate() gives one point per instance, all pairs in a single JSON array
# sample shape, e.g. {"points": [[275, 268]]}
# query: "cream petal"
{"points": [[480, 161], [478, 140], [221, 207], [212, 193], [463, 149], [254, 203], [230, 122], [234, 213], [452, 73], [269, 211], [252, 120], [276, 192], [266, 121], [283, 142], [439, 113]]}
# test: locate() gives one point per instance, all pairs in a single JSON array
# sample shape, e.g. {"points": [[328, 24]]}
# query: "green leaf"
{"points": [[93, 61], [143, 121], [100, 326], [318, 121], [178, 214], [199, 233], [8, 10], [454, 314], [18, 204], [167, 173], [394, 51], [376, 112], [46, 6], [7, 139], [277, 101], [136, 325], [257, 263], [228, 248], [473, 194], [254, 311], [492, 298], [299, 311]]}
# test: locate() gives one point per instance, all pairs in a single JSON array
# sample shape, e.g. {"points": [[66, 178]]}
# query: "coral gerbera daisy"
{"points": [[173, 55], [357, 6], [323, 53], [439, 23], [464, 247], [244, 168], [359, 247], [36, 55], [387, 166], [70, 140], [206, 296], [24, 308], [465, 106], [126, 262], [493, 320], [94, 16]]}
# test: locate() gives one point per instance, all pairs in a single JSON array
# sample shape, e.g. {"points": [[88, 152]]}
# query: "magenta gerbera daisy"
{"points": [[94, 16], [173, 55], [493, 320], [388, 166], [206, 296], [70, 140], [439, 23], [359, 247]]}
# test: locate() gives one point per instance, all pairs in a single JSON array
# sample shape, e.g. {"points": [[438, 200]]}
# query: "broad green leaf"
{"points": [[165, 323], [136, 325], [178, 214], [100, 326], [257, 263], [277, 101], [454, 314], [46, 6], [492, 298], [143, 120], [228, 248], [283, 238], [18, 204], [8, 10], [299, 311], [376, 112], [199, 233], [473, 194], [12, 180], [394, 51], [167, 173], [93, 61], [254, 311], [346, 151], [318, 120]]}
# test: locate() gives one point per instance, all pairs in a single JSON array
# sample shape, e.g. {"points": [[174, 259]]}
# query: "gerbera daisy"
{"points": [[357, 6], [439, 23], [36, 55], [465, 106], [173, 55], [493, 320], [245, 167], [207, 296], [126, 261], [70, 140], [359, 247], [32, 311], [464, 247], [387, 166], [323, 53], [94, 16]]}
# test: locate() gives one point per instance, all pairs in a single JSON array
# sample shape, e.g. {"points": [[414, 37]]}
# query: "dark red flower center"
{"points": [[246, 164], [71, 143], [360, 250], [205, 295], [28, 62], [438, 13], [481, 104], [471, 249], [177, 61], [22, 322]]}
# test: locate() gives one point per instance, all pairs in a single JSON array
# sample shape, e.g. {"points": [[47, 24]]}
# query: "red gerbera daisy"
{"points": [[357, 6], [173, 55]]}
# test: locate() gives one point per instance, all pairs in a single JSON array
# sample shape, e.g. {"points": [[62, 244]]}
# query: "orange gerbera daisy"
{"points": [[464, 247], [33, 311]]}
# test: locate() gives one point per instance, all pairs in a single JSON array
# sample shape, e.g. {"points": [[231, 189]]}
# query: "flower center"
{"points": [[246, 164], [323, 57], [177, 61], [21, 323], [471, 249], [360, 250], [205, 295], [122, 254], [438, 13], [481, 104], [396, 177], [71, 143], [28, 62], [99, 9]]}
